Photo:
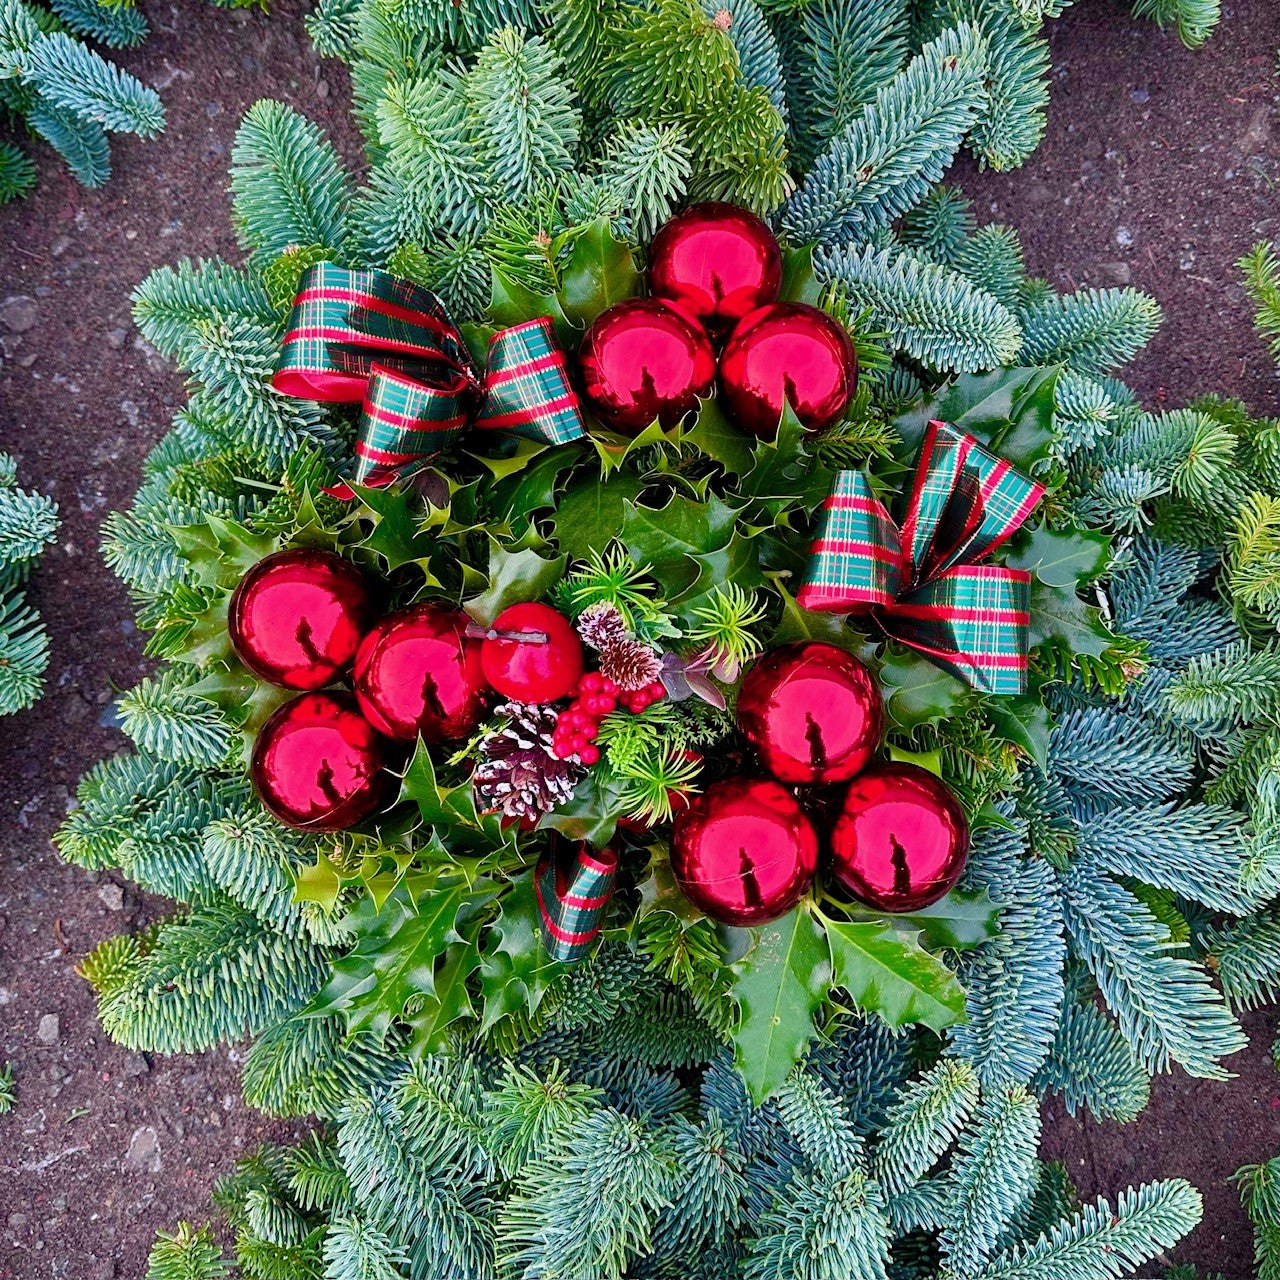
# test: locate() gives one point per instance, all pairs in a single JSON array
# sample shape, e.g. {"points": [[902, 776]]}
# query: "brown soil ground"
{"points": [[1157, 170]]}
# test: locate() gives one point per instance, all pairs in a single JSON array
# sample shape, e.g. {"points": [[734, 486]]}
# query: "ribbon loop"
{"points": [[920, 582], [377, 338], [573, 885]]}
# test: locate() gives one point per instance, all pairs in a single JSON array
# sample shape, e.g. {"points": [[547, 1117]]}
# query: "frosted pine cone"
{"points": [[602, 625], [629, 663], [519, 775]]}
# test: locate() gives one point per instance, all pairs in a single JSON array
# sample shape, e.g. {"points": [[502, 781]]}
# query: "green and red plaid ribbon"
{"points": [[920, 582], [574, 885], [373, 337]]}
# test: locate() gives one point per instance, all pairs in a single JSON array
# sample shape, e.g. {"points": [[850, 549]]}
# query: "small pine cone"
{"points": [[602, 625], [630, 664], [519, 774]]}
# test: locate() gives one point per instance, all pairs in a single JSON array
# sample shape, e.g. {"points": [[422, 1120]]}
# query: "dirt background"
{"points": [[1157, 170]]}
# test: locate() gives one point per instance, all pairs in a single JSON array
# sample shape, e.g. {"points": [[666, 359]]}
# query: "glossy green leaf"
{"points": [[1025, 721], [318, 883], [591, 813], [962, 920], [779, 985], [1060, 617], [917, 691], [799, 283], [1059, 557], [511, 304], [889, 973], [600, 271], [514, 576], [591, 515], [220, 551], [515, 970], [449, 1002]]}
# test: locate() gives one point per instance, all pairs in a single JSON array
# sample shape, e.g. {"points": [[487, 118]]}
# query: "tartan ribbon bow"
{"points": [[377, 338], [573, 886], [920, 582]]}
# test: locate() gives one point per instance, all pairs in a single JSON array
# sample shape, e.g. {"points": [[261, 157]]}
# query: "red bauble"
{"points": [[716, 262], [812, 711], [533, 670], [418, 673], [642, 359], [297, 617], [787, 353], [901, 840], [743, 851], [317, 764]]}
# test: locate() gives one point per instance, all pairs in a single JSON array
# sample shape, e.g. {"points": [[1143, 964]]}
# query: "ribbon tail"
{"points": [[527, 387], [972, 620], [404, 424], [855, 562], [573, 890]]}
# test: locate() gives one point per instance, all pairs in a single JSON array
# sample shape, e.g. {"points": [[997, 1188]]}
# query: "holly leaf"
{"points": [[964, 919], [515, 970], [1059, 557], [513, 576], [591, 813], [783, 472], [394, 958], [891, 974], [600, 271], [714, 435], [515, 459], [448, 1003], [1025, 721], [779, 985], [799, 281], [1060, 618], [591, 515], [917, 691], [808, 624], [1009, 410], [451, 811], [220, 551], [674, 540], [510, 303], [319, 883], [394, 534]]}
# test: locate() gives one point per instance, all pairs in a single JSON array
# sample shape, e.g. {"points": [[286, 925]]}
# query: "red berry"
{"points": [[574, 718], [609, 687], [580, 743], [590, 682], [562, 748], [527, 670], [656, 691], [589, 754], [608, 703]]}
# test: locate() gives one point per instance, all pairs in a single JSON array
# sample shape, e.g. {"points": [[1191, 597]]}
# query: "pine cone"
{"points": [[602, 625], [519, 774], [629, 663]]}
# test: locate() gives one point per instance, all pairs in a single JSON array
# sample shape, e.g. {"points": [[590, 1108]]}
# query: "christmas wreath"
{"points": [[753, 593]]}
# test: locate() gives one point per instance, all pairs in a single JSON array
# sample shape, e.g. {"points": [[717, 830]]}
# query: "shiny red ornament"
{"points": [[716, 262], [743, 851], [812, 711], [297, 617], [787, 353], [318, 764], [643, 359], [418, 674], [532, 670], [901, 840]]}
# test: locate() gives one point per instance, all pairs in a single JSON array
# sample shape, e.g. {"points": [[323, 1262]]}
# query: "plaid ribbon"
{"points": [[373, 337], [574, 885], [919, 581]]}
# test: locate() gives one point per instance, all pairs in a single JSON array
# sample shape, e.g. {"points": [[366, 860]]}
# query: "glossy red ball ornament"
{"points": [[418, 674], [532, 670], [297, 617], [743, 851], [787, 353], [716, 262], [901, 840], [318, 764], [812, 711], [642, 359]]}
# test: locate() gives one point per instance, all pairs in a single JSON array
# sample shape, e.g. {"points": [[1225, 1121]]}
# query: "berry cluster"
{"points": [[595, 696]]}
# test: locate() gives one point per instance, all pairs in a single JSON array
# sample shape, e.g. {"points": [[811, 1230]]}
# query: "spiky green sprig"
{"points": [[729, 624], [651, 783], [8, 1095], [187, 1254], [612, 577]]}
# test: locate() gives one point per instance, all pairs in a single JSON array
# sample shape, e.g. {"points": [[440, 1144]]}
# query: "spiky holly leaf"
{"points": [[592, 812], [799, 282], [1023, 720], [451, 811], [448, 1003], [511, 303], [1059, 557], [600, 271], [395, 955], [591, 515], [888, 972], [962, 920], [1009, 410], [1061, 619], [220, 551], [514, 576], [714, 435], [318, 883], [515, 970], [246, 701], [397, 533], [917, 691], [796, 624], [779, 985]]}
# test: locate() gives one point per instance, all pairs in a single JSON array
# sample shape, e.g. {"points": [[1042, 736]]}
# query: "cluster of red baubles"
{"points": [[745, 850], [305, 618], [595, 696], [715, 271]]}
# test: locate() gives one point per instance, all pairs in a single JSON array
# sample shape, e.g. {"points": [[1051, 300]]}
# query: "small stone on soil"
{"points": [[143, 1155], [112, 897], [48, 1030], [19, 313]]}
